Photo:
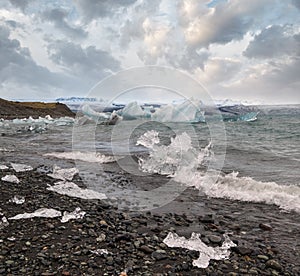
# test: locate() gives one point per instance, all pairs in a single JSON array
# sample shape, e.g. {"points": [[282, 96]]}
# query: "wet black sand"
{"points": [[268, 239]]}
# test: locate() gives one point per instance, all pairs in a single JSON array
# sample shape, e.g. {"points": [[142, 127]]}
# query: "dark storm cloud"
{"points": [[89, 62], [274, 41], [91, 9], [59, 18], [17, 67]]}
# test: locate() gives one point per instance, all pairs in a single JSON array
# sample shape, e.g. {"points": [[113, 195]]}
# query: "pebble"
{"points": [[265, 227], [159, 255], [263, 257], [215, 239], [274, 264]]}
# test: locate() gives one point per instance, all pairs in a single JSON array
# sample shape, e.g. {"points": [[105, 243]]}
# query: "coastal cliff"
{"points": [[12, 110]]}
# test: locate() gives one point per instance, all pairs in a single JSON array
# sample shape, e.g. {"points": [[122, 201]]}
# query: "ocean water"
{"points": [[261, 158]]}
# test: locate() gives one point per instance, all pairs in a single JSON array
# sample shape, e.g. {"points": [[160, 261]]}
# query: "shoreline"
{"points": [[266, 237]]}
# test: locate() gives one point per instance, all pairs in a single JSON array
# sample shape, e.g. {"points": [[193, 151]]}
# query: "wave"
{"points": [[182, 162], [83, 156]]}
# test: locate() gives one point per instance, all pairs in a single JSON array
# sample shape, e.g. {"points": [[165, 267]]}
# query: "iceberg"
{"points": [[206, 253], [132, 111], [72, 190], [187, 111], [88, 111], [233, 113], [11, 178], [76, 214], [42, 212]]}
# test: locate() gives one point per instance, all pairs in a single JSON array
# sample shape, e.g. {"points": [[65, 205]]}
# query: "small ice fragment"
{"points": [[72, 190], [3, 167], [11, 238], [76, 214], [43, 213], [148, 139], [3, 222], [100, 252], [21, 167], [17, 199], [206, 253], [11, 178], [63, 174]]}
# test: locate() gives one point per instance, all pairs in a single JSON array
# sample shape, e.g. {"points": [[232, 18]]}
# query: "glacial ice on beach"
{"points": [[100, 252], [83, 156], [11, 178], [63, 174], [17, 199], [3, 222], [76, 214], [21, 167], [3, 167], [72, 190], [206, 253], [42, 212], [168, 160]]}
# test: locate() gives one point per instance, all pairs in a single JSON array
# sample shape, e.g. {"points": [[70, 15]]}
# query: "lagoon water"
{"points": [[265, 153]]}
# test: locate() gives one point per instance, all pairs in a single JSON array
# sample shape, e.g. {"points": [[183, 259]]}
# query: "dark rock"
{"points": [[274, 264], [159, 255], [242, 250], [265, 227], [146, 249]]}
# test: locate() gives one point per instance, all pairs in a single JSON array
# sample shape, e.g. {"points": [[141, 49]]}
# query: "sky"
{"points": [[238, 49]]}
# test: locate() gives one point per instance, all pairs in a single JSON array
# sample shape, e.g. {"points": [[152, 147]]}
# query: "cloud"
{"points": [[274, 41], [296, 3], [225, 22], [21, 4], [218, 71], [89, 61], [59, 18], [91, 9]]}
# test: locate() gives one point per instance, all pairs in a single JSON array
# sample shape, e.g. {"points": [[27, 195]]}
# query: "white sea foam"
{"points": [[43, 213], [76, 214], [83, 156], [206, 253], [21, 167], [63, 174], [72, 190], [181, 161], [11, 178]]}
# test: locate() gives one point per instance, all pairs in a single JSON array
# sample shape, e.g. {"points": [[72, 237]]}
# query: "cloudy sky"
{"points": [[238, 49]]}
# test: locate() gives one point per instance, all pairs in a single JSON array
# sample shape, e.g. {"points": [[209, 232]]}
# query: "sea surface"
{"points": [[261, 158]]}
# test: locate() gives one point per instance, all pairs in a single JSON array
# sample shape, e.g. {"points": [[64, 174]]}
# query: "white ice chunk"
{"points": [[17, 199], [100, 251], [206, 253], [43, 213], [72, 190], [76, 214], [83, 156], [148, 139], [63, 174], [132, 111], [3, 167], [21, 167], [3, 222], [10, 178]]}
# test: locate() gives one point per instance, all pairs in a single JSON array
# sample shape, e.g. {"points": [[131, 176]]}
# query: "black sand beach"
{"points": [[267, 239]]}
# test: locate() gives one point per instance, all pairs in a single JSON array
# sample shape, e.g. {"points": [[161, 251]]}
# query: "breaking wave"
{"points": [[185, 164]]}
